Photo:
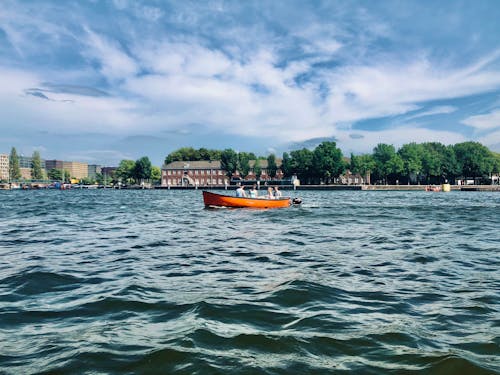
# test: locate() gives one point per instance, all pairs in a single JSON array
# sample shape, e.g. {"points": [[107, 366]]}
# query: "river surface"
{"points": [[150, 282]]}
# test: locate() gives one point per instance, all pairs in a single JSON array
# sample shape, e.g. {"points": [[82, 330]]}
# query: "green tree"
{"points": [[244, 163], [302, 164], [14, 170], [272, 168], [450, 165], [475, 159], [99, 178], [155, 174], [229, 161], [411, 155], [142, 169], [191, 154], [257, 169], [54, 174], [125, 171], [327, 161], [36, 166], [387, 162], [286, 164]]}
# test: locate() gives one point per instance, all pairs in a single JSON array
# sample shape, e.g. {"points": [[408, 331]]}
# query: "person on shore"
{"points": [[270, 194], [240, 192], [277, 193], [253, 193]]}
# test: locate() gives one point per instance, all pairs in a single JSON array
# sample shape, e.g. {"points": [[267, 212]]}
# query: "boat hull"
{"points": [[219, 200]]}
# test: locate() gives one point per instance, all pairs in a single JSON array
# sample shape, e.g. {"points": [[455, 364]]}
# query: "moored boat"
{"points": [[218, 200]]}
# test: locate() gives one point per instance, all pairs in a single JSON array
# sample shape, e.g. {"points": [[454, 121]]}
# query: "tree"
{"points": [[229, 161], [14, 170], [257, 169], [475, 159], [155, 174], [36, 166], [272, 168], [286, 165], [244, 163], [302, 164], [142, 169], [57, 175], [327, 161], [190, 154], [387, 162], [125, 171], [54, 174], [411, 155]]}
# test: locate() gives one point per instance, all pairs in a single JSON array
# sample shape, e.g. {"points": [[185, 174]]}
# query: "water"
{"points": [[150, 282]]}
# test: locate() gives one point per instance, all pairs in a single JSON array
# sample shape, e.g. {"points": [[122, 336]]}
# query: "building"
{"points": [[93, 170], [27, 162], [53, 164], [76, 169], [26, 165], [193, 173], [4, 167]]}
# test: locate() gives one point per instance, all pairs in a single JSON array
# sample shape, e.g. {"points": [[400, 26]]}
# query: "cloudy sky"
{"points": [[102, 80]]}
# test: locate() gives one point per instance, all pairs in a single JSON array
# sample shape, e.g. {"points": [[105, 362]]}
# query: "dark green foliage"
{"points": [[125, 171], [474, 159], [229, 161], [257, 169], [14, 170], [244, 163], [36, 166], [286, 164], [142, 169], [155, 174], [56, 175], [327, 161], [301, 164], [191, 154], [271, 165], [388, 164]]}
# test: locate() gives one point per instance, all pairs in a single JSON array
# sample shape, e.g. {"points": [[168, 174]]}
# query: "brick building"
{"points": [[193, 173]]}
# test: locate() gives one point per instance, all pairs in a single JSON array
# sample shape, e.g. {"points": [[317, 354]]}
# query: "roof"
{"points": [[201, 164]]}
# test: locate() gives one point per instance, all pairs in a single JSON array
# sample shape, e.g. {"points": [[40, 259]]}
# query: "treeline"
{"points": [[130, 171], [429, 162]]}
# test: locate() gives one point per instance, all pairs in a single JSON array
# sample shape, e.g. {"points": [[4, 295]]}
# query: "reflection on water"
{"points": [[149, 281]]}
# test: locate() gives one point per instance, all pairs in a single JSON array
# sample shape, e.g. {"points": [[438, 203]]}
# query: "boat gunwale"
{"points": [[257, 199]]}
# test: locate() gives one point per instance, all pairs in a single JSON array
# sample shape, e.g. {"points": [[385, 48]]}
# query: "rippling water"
{"points": [[150, 282]]}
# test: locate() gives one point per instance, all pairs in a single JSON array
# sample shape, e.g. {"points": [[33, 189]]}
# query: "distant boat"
{"points": [[219, 200]]}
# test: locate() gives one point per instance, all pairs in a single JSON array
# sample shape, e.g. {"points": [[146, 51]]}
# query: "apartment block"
{"points": [[4, 167]]}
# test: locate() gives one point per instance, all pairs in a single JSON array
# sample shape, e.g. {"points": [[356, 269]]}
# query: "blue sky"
{"points": [[99, 81]]}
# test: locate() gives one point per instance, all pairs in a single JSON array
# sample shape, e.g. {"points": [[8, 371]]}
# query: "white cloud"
{"points": [[484, 122], [115, 63]]}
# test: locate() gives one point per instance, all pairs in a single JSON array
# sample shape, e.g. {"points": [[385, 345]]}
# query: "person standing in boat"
{"points": [[240, 192], [277, 193], [253, 193]]}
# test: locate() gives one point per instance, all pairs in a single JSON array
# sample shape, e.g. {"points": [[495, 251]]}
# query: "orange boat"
{"points": [[219, 200]]}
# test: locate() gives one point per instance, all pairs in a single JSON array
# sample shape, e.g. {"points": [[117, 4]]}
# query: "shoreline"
{"points": [[488, 188]]}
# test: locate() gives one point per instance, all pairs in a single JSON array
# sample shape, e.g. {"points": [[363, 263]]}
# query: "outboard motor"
{"points": [[296, 201]]}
